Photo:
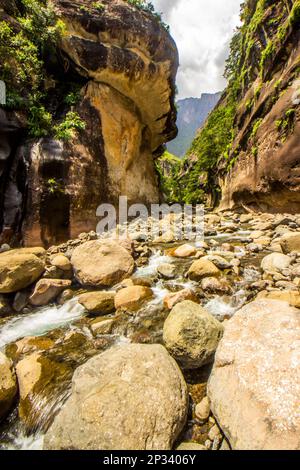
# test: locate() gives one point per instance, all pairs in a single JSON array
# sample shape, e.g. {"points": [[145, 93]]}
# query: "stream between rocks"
{"points": [[66, 336]]}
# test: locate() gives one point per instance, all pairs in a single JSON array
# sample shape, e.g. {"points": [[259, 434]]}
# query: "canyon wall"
{"points": [[123, 63], [248, 152], [265, 169]]}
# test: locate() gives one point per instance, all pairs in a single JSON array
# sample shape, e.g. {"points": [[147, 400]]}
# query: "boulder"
{"points": [[172, 299], [131, 397], [8, 385], [101, 263], [99, 302], [185, 251], [218, 261], [255, 382], [213, 285], [167, 270], [256, 234], [132, 297], [62, 262], [38, 376], [202, 410], [292, 297], [275, 262], [290, 242], [169, 236], [46, 291], [203, 268], [18, 270], [191, 335]]}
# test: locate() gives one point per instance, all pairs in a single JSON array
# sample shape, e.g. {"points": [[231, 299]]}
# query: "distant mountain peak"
{"points": [[192, 113]]}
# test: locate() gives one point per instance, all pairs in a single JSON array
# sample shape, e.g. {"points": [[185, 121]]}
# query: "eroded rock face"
{"points": [[126, 64], [255, 383], [131, 397]]}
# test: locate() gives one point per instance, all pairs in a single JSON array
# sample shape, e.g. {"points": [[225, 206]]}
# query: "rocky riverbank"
{"points": [[156, 343]]}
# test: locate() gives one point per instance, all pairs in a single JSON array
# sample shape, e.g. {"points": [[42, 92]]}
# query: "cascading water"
{"points": [[40, 322]]}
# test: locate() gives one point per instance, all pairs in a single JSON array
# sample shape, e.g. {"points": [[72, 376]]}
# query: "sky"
{"points": [[202, 30]]}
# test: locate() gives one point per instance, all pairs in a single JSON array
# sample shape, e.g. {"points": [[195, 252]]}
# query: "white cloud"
{"points": [[202, 30]]}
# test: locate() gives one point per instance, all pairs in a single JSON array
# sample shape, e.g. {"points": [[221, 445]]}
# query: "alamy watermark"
{"points": [[170, 222], [2, 93]]}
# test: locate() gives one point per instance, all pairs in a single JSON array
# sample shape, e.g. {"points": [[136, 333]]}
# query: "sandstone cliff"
{"points": [[249, 151], [122, 63]]}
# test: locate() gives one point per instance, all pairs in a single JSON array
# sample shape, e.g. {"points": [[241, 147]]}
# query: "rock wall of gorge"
{"points": [[265, 154], [116, 64], [248, 153]]}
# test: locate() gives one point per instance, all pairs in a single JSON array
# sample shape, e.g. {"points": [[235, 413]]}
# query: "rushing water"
{"points": [[154, 261], [40, 322]]}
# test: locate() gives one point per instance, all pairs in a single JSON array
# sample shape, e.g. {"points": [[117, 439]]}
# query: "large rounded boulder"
{"points": [[254, 388], [275, 262], [19, 269], [191, 335], [203, 268], [131, 397], [100, 263]]}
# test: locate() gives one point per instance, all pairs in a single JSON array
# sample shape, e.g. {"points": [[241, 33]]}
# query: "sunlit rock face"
{"points": [[125, 63]]}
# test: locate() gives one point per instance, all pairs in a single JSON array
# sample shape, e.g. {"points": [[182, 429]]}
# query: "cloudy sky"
{"points": [[202, 30]]}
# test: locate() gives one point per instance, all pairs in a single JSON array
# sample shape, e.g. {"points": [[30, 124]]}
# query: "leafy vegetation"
{"points": [[286, 125], [168, 167], [23, 46], [66, 129], [148, 7]]}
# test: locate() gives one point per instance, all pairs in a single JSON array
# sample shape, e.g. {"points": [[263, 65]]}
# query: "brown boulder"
{"points": [[18, 270], [203, 268], [101, 263], [46, 291], [37, 377], [172, 299], [132, 297], [185, 251], [98, 302], [191, 335]]}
